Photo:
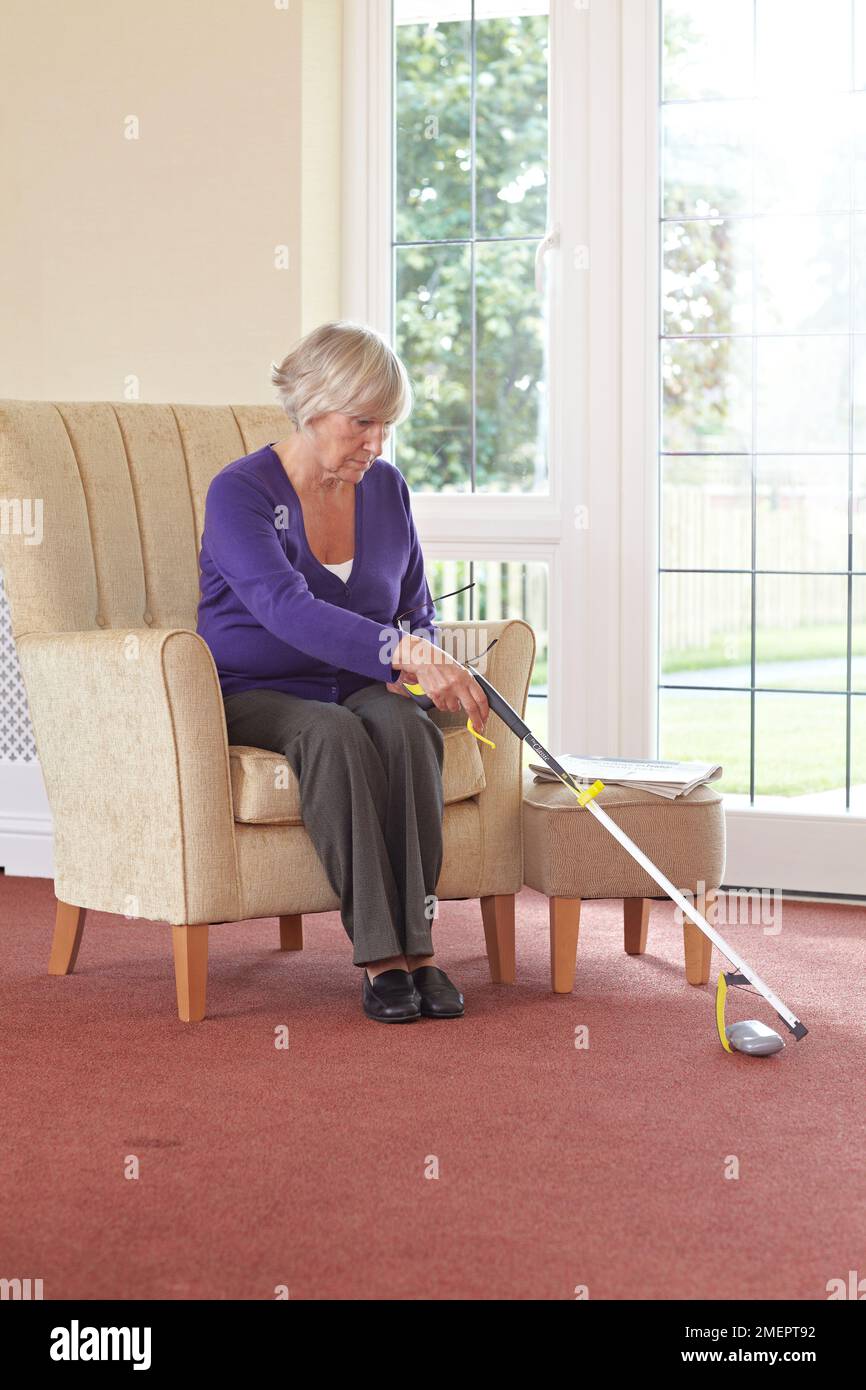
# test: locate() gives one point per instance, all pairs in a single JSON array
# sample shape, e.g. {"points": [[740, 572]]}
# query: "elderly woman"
{"points": [[309, 557]]}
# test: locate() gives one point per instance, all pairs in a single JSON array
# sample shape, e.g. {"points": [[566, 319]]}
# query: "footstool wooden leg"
{"points": [[699, 948], [635, 913], [564, 930], [497, 912], [292, 933]]}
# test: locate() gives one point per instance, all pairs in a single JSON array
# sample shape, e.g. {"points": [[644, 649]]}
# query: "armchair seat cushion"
{"points": [[265, 790]]}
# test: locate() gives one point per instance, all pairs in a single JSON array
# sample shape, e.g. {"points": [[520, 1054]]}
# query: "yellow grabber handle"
{"points": [[419, 690]]}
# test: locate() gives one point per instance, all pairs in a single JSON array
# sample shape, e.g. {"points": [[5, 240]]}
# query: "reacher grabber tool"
{"points": [[749, 1036]]}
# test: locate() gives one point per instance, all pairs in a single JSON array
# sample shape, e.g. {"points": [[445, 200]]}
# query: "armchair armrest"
{"points": [[508, 666], [130, 730]]}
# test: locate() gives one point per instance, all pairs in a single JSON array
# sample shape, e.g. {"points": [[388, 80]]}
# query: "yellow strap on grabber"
{"points": [[721, 996], [480, 737], [587, 793], [419, 690], [583, 794]]}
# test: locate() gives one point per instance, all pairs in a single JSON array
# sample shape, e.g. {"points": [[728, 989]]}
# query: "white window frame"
{"points": [[603, 428]]}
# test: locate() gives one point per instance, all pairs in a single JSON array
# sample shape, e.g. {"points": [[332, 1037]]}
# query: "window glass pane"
{"points": [[443, 577], [802, 394], [704, 628], [799, 745], [859, 391], [801, 153], [859, 269], [704, 47], [511, 125], [801, 633], [433, 337], [860, 43], [503, 589], [707, 726], [511, 406], [707, 385], [858, 635], [515, 589], [706, 512], [707, 276], [802, 511], [433, 172], [858, 136], [794, 53], [471, 206], [859, 513], [537, 717], [802, 275], [706, 158]]}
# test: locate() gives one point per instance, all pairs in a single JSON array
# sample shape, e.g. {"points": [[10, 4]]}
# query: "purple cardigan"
{"points": [[272, 614]]}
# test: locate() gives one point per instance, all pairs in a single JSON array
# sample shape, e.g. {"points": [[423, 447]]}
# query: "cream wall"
{"points": [[154, 260]]}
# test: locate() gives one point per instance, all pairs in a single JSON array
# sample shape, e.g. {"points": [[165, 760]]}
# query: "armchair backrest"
{"points": [[102, 507]]}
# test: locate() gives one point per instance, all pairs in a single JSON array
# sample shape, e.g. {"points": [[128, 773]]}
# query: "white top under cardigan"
{"points": [[342, 570]]}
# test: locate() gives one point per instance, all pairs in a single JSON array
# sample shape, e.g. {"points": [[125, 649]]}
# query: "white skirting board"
{"points": [[26, 827], [796, 852]]}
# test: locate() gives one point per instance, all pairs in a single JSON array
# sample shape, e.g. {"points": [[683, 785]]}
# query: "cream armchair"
{"points": [[155, 815]]}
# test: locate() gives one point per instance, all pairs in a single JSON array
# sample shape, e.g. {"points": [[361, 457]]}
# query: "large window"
{"points": [[470, 209], [762, 565]]}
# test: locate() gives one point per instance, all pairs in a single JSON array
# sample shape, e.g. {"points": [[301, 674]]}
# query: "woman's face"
{"points": [[347, 444]]}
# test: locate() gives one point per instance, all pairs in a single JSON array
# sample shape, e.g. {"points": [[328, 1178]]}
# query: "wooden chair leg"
{"points": [[636, 912], [292, 933], [564, 930], [699, 948], [497, 912], [68, 929], [190, 971]]}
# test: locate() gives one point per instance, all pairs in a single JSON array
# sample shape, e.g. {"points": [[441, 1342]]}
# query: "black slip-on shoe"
{"points": [[439, 997], [390, 997]]}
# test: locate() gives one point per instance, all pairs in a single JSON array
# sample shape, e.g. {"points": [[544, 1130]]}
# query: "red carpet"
{"points": [[558, 1167]]}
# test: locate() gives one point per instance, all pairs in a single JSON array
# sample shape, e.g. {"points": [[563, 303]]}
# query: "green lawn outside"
{"points": [[800, 739], [773, 644]]}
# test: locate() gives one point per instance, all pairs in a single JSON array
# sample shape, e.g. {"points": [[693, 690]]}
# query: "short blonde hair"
{"points": [[343, 366]]}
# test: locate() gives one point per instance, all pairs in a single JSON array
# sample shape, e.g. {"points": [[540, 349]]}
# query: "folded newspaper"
{"points": [[663, 778]]}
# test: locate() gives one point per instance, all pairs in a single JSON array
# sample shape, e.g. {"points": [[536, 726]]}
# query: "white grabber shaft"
{"points": [[796, 1027]]}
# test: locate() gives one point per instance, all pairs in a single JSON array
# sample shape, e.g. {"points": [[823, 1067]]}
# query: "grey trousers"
{"points": [[372, 800]]}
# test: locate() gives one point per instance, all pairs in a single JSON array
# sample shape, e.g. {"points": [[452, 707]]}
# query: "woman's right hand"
{"points": [[449, 685]]}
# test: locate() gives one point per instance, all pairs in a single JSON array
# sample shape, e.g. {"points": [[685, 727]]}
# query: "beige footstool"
{"points": [[570, 857]]}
